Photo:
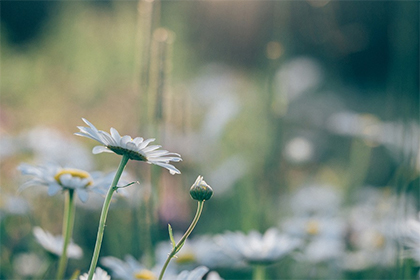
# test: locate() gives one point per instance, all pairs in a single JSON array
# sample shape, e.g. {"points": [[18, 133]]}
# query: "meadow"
{"points": [[209, 140]]}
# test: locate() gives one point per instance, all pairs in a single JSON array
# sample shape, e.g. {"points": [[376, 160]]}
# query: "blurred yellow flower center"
{"points": [[74, 173], [145, 274], [185, 258], [312, 227], [379, 240]]}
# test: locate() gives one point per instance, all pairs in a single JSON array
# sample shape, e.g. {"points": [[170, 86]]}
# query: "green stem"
{"points": [[104, 214], [68, 222], [181, 242], [259, 272]]}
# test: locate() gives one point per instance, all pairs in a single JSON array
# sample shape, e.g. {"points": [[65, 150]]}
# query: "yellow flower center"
{"points": [[185, 258], [312, 227], [379, 241], [145, 274], [74, 173]]}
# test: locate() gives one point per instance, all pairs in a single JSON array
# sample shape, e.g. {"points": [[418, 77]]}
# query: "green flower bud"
{"points": [[200, 190]]}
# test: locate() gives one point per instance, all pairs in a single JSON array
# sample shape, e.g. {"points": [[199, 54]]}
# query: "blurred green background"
{"points": [[259, 97]]}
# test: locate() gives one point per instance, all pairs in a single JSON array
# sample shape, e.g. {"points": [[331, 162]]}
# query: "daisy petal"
{"points": [[100, 149]]}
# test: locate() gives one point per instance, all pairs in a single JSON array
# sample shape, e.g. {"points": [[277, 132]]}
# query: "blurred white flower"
{"points": [[298, 77], [314, 226], [299, 150], [411, 238], [321, 249], [196, 274], [99, 274], [199, 250], [57, 178], [54, 244], [316, 219], [316, 199], [372, 232], [135, 149], [397, 137], [216, 88], [28, 264], [227, 174], [131, 269], [48, 144], [15, 205], [257, 248], [8, 146]]}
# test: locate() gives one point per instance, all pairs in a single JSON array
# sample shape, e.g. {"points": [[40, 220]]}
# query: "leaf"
{"points": [[171, 236]]}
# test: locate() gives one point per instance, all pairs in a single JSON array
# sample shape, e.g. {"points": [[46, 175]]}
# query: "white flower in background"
{"points": [[135, 149], [14, 205], [372, 233], [398, 137], [225, 175], [196, 274], [48, 144], [315, 199], [29, 264], [131, 269], [298, 77], [323, 236], [8, 146], [411, 238], [257, 248], [54, 244], [57, 178], [99, 274], [199, 250], [316, 219], [299, 150]]}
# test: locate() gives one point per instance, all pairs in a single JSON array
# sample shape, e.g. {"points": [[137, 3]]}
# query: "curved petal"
{"points": [[53, 189], [101, 149], [115, 135], [82, 194]]}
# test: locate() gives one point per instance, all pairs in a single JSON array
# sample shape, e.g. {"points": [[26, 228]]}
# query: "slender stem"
{"points": [[181, 242], [104, 214], [68, 222], [258, 273]]}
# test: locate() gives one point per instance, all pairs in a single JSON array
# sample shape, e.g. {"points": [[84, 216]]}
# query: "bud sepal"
{"points": [[200, 190]]}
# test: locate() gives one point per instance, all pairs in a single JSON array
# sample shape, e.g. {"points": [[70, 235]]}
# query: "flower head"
{"points": [[200, 190], [130, 268], [257, 248], [199, 250], [54, 244], [58, 178], [411, 238], [135, 149], [99, 274], [195, 274]]}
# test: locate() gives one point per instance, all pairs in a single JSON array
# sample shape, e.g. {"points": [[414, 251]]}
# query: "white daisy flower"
{"points": [[99, 274], [135, 149], [256, 248], [131, 269], [54, 244], [57, 178], [199, 250], [196, 274]]}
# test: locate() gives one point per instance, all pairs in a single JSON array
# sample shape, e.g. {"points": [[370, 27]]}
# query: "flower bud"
{"points": [[200, 190]]}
